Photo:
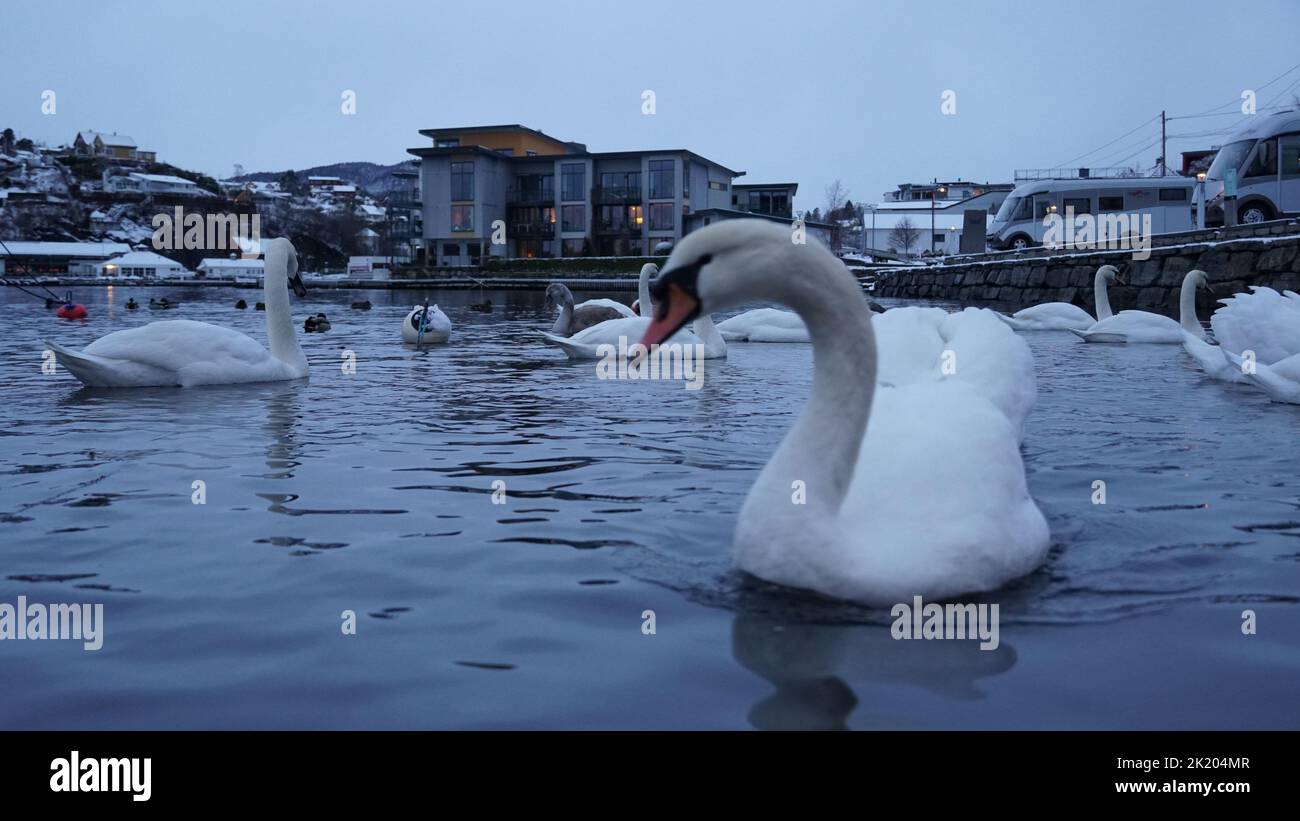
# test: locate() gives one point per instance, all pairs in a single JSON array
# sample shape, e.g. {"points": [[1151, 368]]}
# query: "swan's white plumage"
{"points": [[1134, 326], [588, 343], [913, 488], [764, 325], [1064, 316], [612, 304], [186, 353], [1262, 321], [1050, 316]]}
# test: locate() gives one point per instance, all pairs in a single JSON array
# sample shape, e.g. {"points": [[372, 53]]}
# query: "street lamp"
{"points": [[933, 196]]}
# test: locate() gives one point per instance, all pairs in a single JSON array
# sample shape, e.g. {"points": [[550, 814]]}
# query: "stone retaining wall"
{"points": [[1153, 284]]}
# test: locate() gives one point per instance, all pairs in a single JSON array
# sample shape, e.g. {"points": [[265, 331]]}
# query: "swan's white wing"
{"points": [[1262, 321], [974, 347], [585, 344], [938, 504], [606, 303], [1139, 326], [197, 353], [1052, 316], [765, 325]]}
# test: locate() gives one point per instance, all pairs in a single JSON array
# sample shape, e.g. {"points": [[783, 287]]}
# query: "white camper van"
{"points": [[1265, 154], [1024, 216]]}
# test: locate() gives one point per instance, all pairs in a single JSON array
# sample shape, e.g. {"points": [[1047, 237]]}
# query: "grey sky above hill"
{"points": [[784, 91]]}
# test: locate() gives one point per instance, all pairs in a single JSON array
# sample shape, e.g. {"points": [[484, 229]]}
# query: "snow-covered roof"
{"points": [[147, 259], [344, 189], [366, 232], [166, 179], [224, 262], [120, 140], [100, 250]]}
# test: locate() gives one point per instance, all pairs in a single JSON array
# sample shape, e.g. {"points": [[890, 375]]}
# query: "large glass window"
{"points": [[1230, 156], [573, 179], [621, 181], [462, 218], [462, 181], [1081, 205], [536, 187], [575, 247], [1290, 152], [1112, 203], [661, 216], [1264, 163], [661, 179], [573, 218]]}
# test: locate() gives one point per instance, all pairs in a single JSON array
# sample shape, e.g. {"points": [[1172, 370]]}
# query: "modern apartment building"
{"points": [[543, 197]]}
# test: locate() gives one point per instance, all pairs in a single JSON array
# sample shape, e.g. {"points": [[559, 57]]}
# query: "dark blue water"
{"points": [[372, 492]]}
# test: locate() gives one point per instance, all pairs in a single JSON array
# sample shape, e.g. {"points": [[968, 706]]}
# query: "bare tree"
{"points": [[904, 236], [836, 194]]}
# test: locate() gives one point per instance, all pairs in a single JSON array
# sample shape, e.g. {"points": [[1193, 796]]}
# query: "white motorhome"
{"points": [[1025, 215], [1265, 154]]}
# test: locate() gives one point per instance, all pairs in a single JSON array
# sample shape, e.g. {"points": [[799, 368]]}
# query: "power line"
{"points": [[1068, 163]]}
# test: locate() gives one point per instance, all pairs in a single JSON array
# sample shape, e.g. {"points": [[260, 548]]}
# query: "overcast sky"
{"points": [[789, 91]]}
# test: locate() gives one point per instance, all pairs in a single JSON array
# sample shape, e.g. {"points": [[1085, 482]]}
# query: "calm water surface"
{"points": [[373, 493]]}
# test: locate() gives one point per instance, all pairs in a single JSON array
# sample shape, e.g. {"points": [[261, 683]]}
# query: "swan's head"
{"points": [[558, 295], [281, 259], [1200, 279], [1111, 274], [649, 270], [722, 266]]}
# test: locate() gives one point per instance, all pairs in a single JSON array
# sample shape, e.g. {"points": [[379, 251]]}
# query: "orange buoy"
{"points": [[71, 310]]}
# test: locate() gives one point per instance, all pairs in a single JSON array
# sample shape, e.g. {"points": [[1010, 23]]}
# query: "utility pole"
{"points": [[1164, 160]]}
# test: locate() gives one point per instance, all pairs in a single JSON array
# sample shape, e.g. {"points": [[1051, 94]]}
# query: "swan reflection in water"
{"points": [[811, 665]]}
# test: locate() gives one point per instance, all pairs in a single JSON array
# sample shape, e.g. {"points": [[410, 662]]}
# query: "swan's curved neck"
{"points": [[565, 320], [282, 339], [708, 333], [821, 448], [643, 293], [1187, 308], [1103, 299]]}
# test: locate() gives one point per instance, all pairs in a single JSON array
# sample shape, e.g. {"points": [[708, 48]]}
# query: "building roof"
{"points": [[119, 140], [430, 151], [434, 133], [732, 212], [166, 179], [144, 258], [226, 262], [792, 185], [89, 250]]}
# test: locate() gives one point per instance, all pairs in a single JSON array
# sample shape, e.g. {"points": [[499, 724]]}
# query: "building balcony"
{"points": [[618, 229], [529, 196], [532, 230], [616, 195]]}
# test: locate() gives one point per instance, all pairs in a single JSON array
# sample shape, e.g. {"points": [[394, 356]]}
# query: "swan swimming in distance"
{"points": [[1144, 326], [574, 318], [878, 492], [1064, 316], [764, 325], [187, 353]]}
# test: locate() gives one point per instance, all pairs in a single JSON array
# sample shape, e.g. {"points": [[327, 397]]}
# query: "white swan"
{"points": [[764, 325], [1063, 316], [1263, 322], [875, 494], [588, 344], [185, 353], [437, 327], [1144, 326], [1267, 325], [574, 318]]}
